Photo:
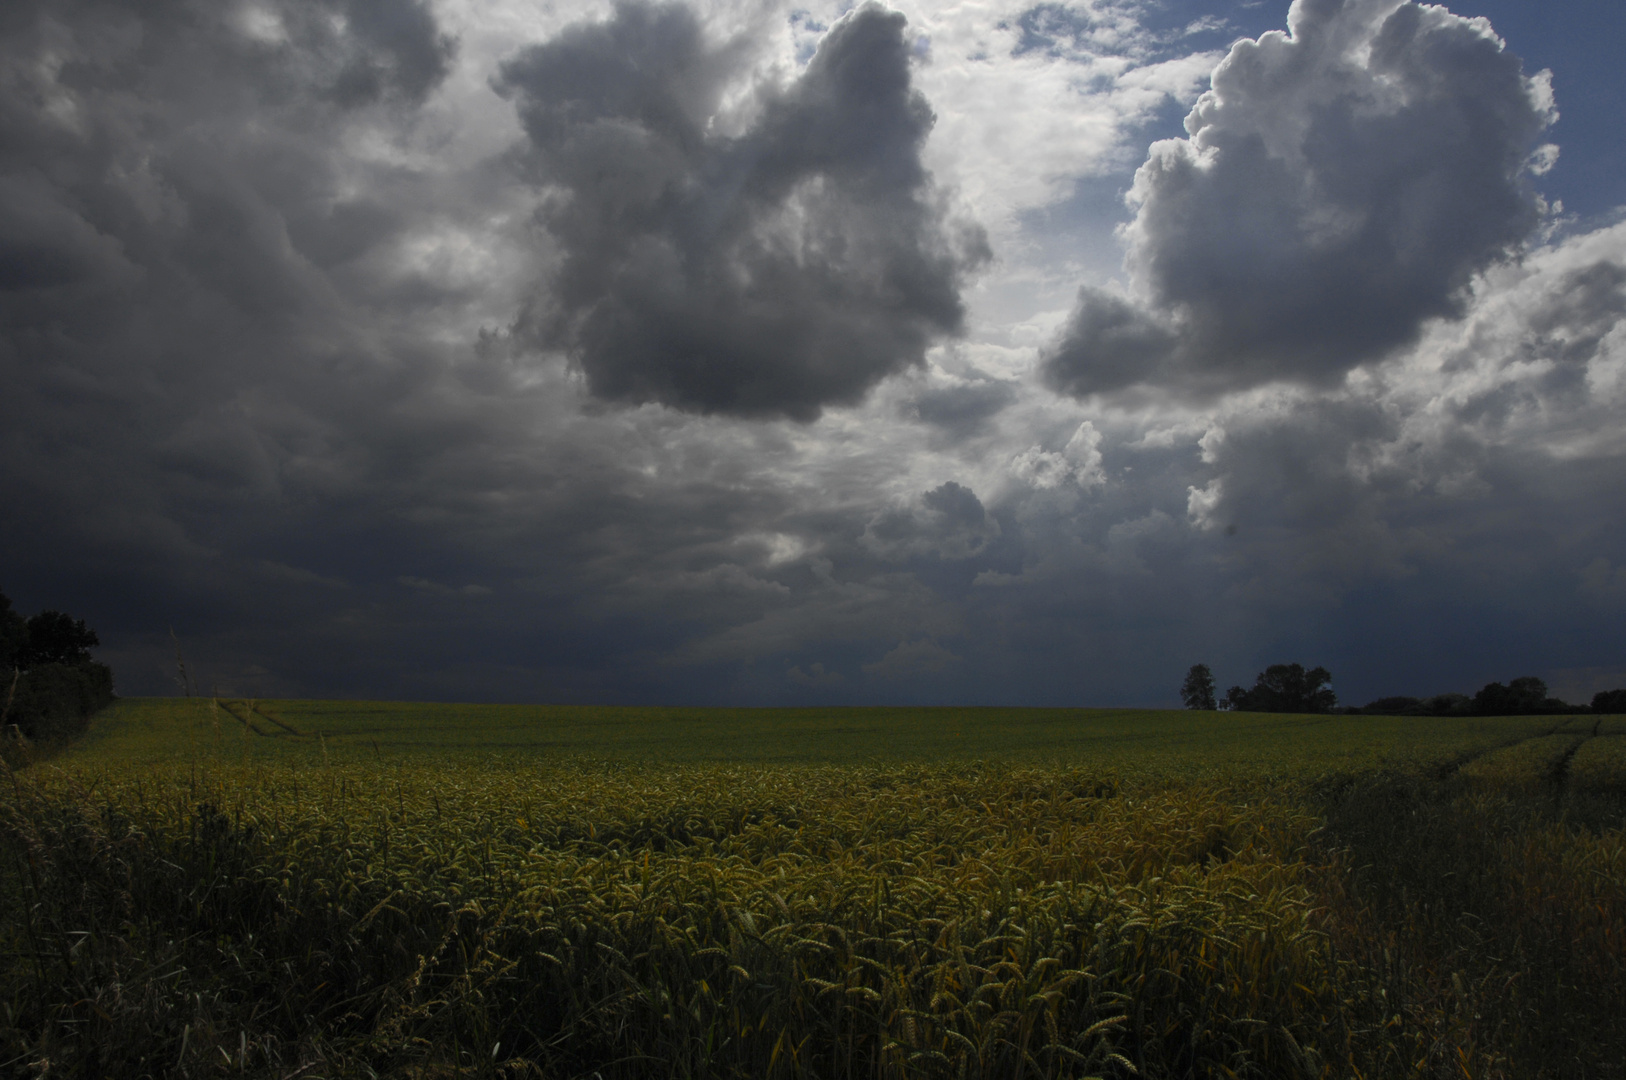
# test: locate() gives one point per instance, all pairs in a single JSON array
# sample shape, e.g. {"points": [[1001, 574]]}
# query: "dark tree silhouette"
{"points": [[1521, 697], [1438, 705], [1448, 705], [1392, 706], [55, 638], [13, 635], [1609, 701], [1198, 689], [1286, 688]]}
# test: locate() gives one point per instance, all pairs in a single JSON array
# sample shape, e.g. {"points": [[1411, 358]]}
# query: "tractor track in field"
{"points": [[1445, 770], [1556, 776], [1558, 773], [244, 713]]}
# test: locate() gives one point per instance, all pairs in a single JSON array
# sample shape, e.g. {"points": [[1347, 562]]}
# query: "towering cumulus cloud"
{"points": [[1341, 184], [771, 271]]}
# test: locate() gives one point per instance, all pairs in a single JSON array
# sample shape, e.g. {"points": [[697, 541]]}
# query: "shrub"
{"points": [[55, 701], [51, 685]]}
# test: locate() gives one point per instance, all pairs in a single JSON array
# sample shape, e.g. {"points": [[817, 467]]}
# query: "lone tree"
{"points": [[1286, 688], [1198, 689]]}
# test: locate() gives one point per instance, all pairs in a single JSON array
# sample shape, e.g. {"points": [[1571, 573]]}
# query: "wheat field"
{"points": [[225, 888]]}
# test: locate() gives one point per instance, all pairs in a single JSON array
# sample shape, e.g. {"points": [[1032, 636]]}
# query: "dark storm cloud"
{"points": [[256, 265], [947, 523], [1409, 558], [396, 49], [771, 272], [186, 392], [1341, 185], [1110, 342], [246, 392], [166, 148], [962, 409], [350, 52]]}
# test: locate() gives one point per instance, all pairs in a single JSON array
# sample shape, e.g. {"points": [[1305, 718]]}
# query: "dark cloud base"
{"points": [[769, 273]]}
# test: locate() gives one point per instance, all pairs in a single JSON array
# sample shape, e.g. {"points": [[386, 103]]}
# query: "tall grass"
{"points": [[1488, 926]]}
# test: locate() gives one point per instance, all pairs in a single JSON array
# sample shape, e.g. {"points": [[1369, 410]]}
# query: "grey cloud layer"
{"points": [[770, 272], [278, 366], [244, 395], [1340, 186], [200, 363]]}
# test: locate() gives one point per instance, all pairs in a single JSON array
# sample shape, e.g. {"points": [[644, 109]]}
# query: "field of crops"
{"points": [[327, 889]]}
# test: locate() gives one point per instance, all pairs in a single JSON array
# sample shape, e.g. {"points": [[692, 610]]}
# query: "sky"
{"points": [[739, 353]]}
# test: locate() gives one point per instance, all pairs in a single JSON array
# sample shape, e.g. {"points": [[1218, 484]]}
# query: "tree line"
{"points": [[51, 685], [1290, 688]]}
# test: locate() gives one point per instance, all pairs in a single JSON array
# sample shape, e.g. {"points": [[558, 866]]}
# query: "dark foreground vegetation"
{"points": [[276, 899]]}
